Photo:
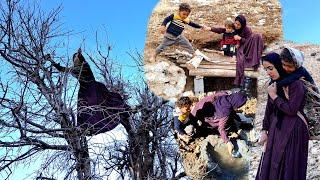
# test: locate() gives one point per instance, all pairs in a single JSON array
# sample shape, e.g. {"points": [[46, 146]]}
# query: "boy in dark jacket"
{"points": [[172, 28]]}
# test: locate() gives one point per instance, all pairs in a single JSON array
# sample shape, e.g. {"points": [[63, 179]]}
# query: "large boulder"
{"points": [[211, 160], [208, 158], [165, 79]]}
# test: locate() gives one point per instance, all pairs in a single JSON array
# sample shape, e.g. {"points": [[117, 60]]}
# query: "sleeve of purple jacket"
{"points": [[296, 98], [266, 119], [218, 30], [246, 33], [222, 128]]}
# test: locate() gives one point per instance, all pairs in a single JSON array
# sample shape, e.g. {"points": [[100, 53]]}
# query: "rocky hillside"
{"points": [[263, 16], [312, 63], [169, 80]]}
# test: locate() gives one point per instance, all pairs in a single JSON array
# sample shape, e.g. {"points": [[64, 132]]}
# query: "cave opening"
{"points": [[225, 83]]}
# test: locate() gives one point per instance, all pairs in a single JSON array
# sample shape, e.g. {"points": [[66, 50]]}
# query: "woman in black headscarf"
{"points": [[249, 51], [284, 131], [99, 110]]}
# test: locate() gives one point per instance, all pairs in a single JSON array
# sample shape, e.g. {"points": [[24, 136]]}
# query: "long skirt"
{"points": [[100, 110], [248, 56], [289, 162]]}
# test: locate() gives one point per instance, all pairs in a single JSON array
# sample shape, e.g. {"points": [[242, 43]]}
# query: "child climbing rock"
{"points": [[98, 109], [172, 28]]}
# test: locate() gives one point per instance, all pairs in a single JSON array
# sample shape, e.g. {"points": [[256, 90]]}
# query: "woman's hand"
{"points": [[263, 137], [237, 37], [272, 90], [184, 138], [263, 140]]}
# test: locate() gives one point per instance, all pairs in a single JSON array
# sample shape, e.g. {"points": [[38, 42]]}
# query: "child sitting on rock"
{"points": [[228, 44], [172, 28]]}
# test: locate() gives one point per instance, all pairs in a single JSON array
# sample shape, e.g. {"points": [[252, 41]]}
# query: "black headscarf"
{"points": [[242, 21], [274, 58]]}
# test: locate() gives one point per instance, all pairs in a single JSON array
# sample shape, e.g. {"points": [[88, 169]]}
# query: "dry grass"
{"points": [[263, 16], [194, 166]]}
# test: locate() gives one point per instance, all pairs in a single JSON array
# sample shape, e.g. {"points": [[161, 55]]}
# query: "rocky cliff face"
{"points": [[263, 16], [312, 64]]}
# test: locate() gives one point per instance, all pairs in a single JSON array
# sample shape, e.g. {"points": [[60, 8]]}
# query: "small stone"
{"points": [[312, 161], [313, 54], [242, 146], [261, 22], [314, 150]]}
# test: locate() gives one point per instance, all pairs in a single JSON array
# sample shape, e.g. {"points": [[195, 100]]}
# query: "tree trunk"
{"points": [[79, 147], [141, 159], [83, 166]]}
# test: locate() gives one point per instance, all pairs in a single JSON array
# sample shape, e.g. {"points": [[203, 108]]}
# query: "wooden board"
{"points": [[211, 67], [220, 73], [226, 62]]}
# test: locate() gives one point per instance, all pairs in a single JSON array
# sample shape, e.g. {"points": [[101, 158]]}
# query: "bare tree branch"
{"points": [[38, 109]]}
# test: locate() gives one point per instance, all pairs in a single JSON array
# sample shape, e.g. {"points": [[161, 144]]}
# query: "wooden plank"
{"points": [[210, 50], [220, 73], [222, 67], [179, 61], [231, 67]]}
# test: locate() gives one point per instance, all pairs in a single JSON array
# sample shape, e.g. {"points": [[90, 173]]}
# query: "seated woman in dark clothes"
{"points": [[249, 51], [99, 110], [284, 131], [219, 112]]}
